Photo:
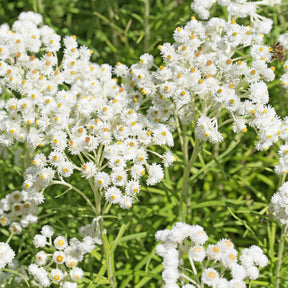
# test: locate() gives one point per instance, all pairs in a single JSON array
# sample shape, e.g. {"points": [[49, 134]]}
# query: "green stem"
{"points": [[189, 279], [194, 270], [10, 237], [280, 254], [7, 90], [146, 24], [109, 255], [186, 173]]}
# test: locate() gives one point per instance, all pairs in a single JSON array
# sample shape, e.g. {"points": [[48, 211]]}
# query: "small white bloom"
{"points": [[56, 275], [76, 273], [47, 231], [39, 241], [41, 258], [113, 195], [59, 257], [210, 276], [197, 253], [60, 242]]}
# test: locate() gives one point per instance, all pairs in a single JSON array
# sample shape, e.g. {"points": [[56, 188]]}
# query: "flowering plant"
{"points": [[109, 133], [221, 255]]}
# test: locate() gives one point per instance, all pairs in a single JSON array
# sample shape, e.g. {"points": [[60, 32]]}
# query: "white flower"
{"points": [[88, 244], [15, 227], [41, 258], [170, 275], [102, 179], [88, 170], [39, 160], [39, 241], [56, 275], [210, 276], [168, 158], [6, 254], [213, 252], [155, 174], [59, 257], [229, 258], [198, 235], [60, 242], [238, 272], [132, 188], [76, 273], [119, 177], [225, 245], [70, 261], [252, 272], [47, 231], [113, 195], [126, 202], [197, 253], [235, 283], [137, 171]]}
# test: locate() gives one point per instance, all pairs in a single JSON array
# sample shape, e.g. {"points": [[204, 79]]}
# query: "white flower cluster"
{"points": [[216, 259], [64, 255], [202, 74], [279, 204], [240, 9], [75, 108], [201, 77], [17, 211], [7, 254]]}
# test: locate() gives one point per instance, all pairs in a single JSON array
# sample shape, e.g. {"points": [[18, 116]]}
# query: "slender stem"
{"points": [[114, 36], [280, 254], [109, 256], [188, 278], [178, 127], [99, 153], [194, 270], [187, 167], [195, 153], [146, 24], [10, 237], [7, 90]]}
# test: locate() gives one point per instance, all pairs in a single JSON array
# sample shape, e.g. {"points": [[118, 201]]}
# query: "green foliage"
{"points": [[115, 30]]}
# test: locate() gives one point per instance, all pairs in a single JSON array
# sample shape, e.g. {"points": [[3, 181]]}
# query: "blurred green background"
{"points": [[115, 29]]}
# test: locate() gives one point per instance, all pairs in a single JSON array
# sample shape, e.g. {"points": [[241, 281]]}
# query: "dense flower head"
{"points": [[202, 74], [65, 257], [223, 253], [200, 77], [75, 107], [17, 211]]}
